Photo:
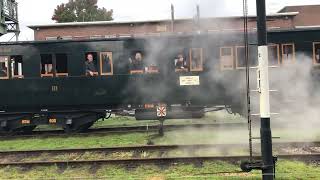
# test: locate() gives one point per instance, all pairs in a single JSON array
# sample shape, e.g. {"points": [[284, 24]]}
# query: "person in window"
{"points": [[137, 64], [179, 63], [3, 71], [90, 66]]}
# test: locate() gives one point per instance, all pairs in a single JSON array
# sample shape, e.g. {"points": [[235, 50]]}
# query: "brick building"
{"points": [[288, 18]]}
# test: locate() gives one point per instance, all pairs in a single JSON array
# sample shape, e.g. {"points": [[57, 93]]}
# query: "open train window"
{"points": [[226, 58], [91, 64], [196, 59], [316, 53], [61, 65], [16, 66], [46, 65], [136, 61], [106, 63], [273, 55], [288, 53], [180, 63], [4, 67], [241, 59]]}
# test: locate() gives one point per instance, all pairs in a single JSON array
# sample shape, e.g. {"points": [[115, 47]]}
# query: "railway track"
{"points": [[123, 129], [144, 155], [160, 161]]}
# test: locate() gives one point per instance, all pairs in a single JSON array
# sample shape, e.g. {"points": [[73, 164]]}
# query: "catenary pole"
{"points": [[265, 130]]}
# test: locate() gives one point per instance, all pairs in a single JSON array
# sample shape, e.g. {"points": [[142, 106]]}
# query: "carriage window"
{"points": [[273, 55], [4, 67], [46, 65], [16, 66], [180, 63], [196, 59], [226, 58], [288, 53], [240, 57], [316, 53], [106, 63], [91, 62], [61, 65], [137, 63]]}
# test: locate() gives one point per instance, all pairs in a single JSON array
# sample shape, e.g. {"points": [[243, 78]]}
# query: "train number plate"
{"points": [[161, 111], [52, 121], [25, 121], [189, 80]]}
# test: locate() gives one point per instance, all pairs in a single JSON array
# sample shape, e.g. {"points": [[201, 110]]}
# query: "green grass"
{"points": [[181, 136], [209, 170], [75, 142]]}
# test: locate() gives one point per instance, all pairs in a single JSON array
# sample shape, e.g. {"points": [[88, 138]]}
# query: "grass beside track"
{"points": [[181, 136], [208, 170], [74, 142]]}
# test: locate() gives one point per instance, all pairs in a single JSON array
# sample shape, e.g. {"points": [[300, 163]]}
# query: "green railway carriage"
{"points": [[45, 82]]}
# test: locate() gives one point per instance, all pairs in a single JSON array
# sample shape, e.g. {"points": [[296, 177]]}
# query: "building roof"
{"points": [[98, 23], [299, 8]]}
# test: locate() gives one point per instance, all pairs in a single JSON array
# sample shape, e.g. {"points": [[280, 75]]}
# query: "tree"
{"points": [[81, 11]]}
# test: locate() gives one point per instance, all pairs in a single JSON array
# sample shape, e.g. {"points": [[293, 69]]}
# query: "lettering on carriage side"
{"points": [[189, 80], [25, 121], [52, 121]]}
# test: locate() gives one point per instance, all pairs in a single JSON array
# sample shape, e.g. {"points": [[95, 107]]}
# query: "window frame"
{"points": [[54, 73], [13, 76], [314, 62], [284, 62], [232, 57], [54, 56], [278, 54], [6, 77], [132, 56], [96, 60], [49, 74], [201, 60], [101, 65], [236, 55]]}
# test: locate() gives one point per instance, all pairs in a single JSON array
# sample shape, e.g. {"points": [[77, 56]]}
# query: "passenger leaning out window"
{"points": [[136, 64], [180, 64], [91, 69]]}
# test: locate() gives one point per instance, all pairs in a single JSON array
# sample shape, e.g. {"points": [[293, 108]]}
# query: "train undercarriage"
{"points": [[81, 121]]}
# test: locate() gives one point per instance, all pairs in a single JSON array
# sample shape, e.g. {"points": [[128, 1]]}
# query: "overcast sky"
{"points": [[33, 12]]}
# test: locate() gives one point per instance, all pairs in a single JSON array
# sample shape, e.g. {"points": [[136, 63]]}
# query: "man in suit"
{"points": [[90, 66]]}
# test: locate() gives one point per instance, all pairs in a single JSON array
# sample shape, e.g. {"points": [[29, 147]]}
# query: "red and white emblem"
{"points": [[161, 111]]}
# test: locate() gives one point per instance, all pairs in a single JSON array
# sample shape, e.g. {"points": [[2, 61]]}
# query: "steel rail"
{"points": [[155, 148], [161, 161]]}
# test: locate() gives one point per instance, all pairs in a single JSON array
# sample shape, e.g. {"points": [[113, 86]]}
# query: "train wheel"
{"points": [[85, 127], [3, 130], [27, 129]]}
